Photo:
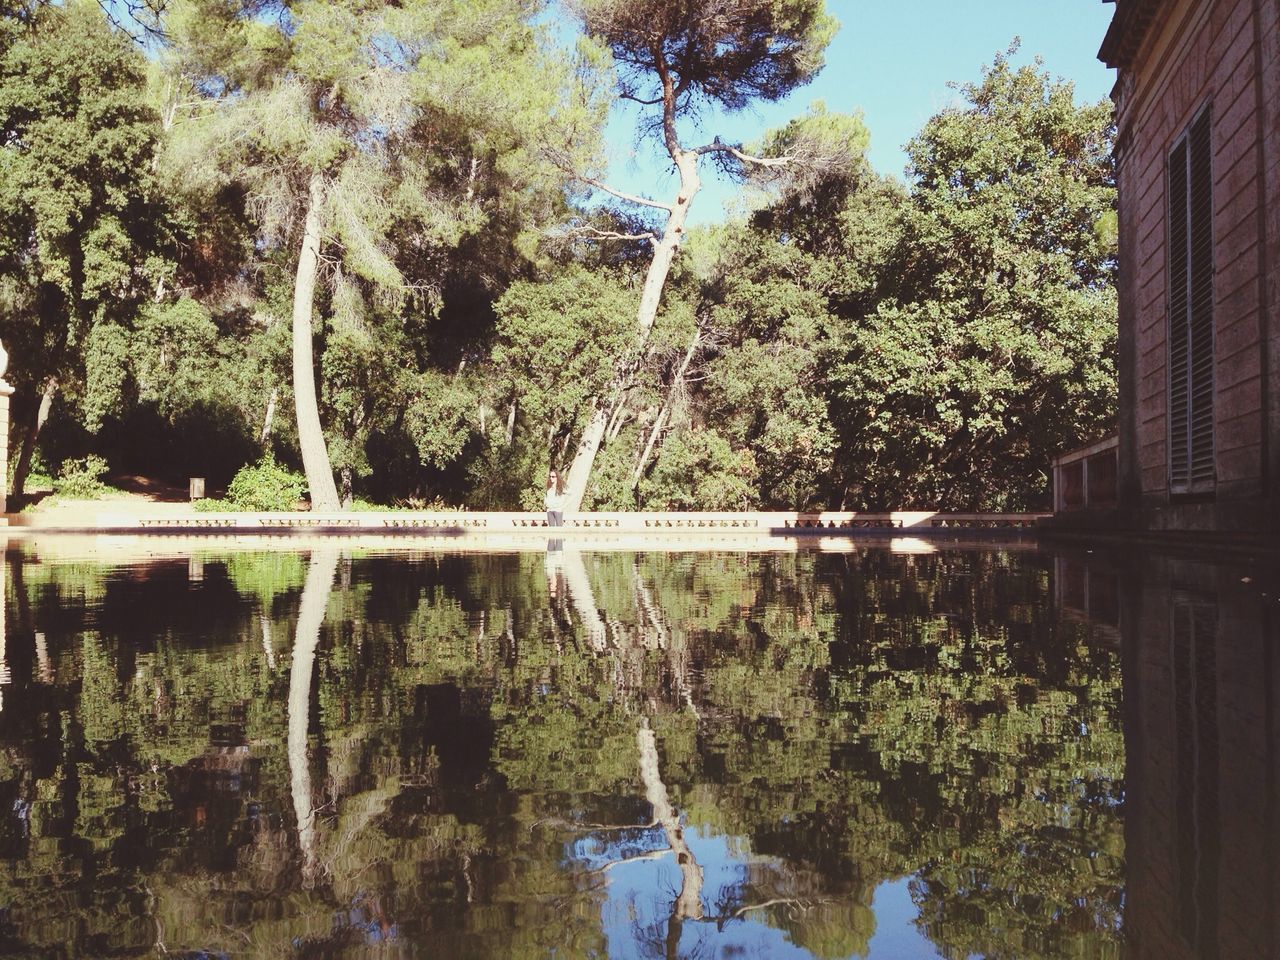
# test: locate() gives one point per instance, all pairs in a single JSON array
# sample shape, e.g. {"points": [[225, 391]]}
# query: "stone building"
{"points": [[1198, 169]]}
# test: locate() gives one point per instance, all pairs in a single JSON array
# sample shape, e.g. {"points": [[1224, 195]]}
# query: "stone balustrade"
{"points": [[787, 523]]}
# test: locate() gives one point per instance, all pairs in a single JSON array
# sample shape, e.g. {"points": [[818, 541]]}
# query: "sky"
{"points": [[892, 59]]}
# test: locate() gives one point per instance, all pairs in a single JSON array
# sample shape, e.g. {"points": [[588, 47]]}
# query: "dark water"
{"points": [[341, 753]]}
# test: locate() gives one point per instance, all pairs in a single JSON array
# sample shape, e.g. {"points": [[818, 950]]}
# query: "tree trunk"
{"points": [[654, 281], [583, 598], [315, 598], [660, 422], [315, 456], [348, 487], [688, 905], [269, 419], [31, 435], [575, 485]]}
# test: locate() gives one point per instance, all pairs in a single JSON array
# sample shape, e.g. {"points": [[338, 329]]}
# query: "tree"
{"points": [[79, 227], [682, 56], [994, 347], [366, 135], [882, 347]]}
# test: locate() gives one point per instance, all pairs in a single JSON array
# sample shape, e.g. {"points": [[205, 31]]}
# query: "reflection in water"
{"points": [[1202, 698], [870, 754], [315, 597]]}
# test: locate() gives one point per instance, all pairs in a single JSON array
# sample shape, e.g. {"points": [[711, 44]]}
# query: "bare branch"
{"points": [[592, 827], [717, 147], [629, 197], [635, 99], [804, 904], [652, 855], [148, 15], [597, 234]]}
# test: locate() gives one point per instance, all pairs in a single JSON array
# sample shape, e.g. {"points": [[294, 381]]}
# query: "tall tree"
{"points": [[680, 56], [77, 218], [997, 348], [365, 133]]}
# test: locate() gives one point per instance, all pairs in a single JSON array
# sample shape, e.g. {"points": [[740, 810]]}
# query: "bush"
{"points": [[82, 478], [266, 485], [211, 505]]}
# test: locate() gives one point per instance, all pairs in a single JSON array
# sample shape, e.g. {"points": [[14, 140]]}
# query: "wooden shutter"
{"points": [[1191, 463]]}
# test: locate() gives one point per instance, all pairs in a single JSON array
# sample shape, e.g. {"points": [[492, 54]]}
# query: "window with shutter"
{"points": [[1191, 464]]}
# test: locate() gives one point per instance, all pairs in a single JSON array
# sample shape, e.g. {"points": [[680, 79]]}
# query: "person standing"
{"points": [[555, 500]]}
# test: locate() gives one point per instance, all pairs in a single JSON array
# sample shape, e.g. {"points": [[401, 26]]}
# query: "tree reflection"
{"points": [[315, 598], [584, 754]]}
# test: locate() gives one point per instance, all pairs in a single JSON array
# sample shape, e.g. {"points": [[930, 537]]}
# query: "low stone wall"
{"points": [[576, 524]]}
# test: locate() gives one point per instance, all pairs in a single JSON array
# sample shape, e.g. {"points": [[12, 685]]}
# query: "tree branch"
{"points": [[598, 234], [652, 855], [635, 99], [629, 197], [717, 147]]}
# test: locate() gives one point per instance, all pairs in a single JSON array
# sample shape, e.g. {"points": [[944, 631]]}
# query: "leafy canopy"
{"points": [[726, 52]]}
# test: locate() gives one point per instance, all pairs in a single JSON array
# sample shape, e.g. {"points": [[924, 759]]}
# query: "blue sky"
{"points": [[892, 59]]}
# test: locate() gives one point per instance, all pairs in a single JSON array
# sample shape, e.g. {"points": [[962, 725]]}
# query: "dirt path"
{"points": [[140, 496]]}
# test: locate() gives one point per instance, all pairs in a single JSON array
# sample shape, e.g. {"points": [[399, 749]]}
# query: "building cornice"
{"points": [[1129, 27]]}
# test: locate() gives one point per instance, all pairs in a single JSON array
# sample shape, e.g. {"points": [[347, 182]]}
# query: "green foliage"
{"points": [[556, 344], [40, 477], [212, 505], [700, 470], [106, 364], [555, 352], [439, 418], [77, 212], [853, 342], [175, 354], [727, 55], [883, 349], [1000, 350], [266, 485], [82, 479]]}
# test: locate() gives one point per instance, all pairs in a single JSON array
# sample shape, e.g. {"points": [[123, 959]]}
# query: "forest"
{"points": [[373, 244]]}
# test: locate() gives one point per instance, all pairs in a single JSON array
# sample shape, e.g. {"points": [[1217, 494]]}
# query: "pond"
{"points": [[255, 749]]}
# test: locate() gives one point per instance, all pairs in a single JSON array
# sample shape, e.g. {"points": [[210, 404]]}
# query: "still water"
{"points": [[255, 751]]}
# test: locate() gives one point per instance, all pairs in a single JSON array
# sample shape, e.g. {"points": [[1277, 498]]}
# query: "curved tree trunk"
{"points": [[315, 598], [31, 435], [688, 905], [655, 280], [315, 456]]}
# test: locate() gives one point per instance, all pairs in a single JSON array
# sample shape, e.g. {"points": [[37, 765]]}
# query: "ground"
{"points": [[142, 496]]}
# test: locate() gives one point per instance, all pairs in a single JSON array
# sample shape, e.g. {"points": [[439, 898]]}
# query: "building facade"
{"points": [[1198, 172]]}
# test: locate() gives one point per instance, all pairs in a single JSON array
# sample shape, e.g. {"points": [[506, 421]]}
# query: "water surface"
{"points": [[339, 752]]}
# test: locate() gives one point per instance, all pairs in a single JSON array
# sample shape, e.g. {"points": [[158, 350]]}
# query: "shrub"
{"points": [[266, 485], [82, 478], [211, 505]]}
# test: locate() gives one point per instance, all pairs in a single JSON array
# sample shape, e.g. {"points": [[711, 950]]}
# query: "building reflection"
{"points": [[1202, 706]]}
